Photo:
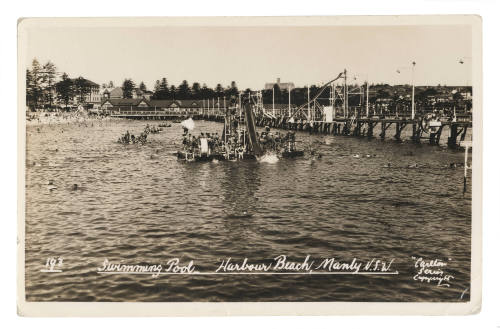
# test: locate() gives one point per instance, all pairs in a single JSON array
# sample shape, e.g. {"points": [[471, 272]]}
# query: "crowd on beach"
{"points": [[50, 118]]}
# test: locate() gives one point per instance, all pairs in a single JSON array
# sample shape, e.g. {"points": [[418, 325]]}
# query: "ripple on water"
{"points": [[136, 209]]}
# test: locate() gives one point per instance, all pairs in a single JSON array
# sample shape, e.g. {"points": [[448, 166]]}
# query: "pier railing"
{"points": [[356, 124]]}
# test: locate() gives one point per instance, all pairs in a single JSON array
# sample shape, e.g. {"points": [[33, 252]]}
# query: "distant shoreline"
{"points": [[48, 118]]}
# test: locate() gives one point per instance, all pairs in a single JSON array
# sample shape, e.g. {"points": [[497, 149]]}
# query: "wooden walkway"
{"points": [[360, 126], [364, 127], [165, 115]]}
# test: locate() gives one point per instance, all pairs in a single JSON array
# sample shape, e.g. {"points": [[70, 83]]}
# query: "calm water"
{"points": [[134, 208]]}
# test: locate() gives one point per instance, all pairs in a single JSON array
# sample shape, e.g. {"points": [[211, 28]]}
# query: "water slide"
{"points": [[252, 130], [326, 85]]}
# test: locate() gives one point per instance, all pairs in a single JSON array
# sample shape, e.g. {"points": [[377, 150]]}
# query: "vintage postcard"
{"points": [[249, 166]]}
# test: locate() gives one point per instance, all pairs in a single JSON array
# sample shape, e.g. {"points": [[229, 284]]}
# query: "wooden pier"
{"points": [[358, 126], [364, 127], [165, 115]]}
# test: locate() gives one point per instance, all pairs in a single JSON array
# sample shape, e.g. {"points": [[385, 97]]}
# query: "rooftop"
{"points": [[87, 81], [281, 85]]}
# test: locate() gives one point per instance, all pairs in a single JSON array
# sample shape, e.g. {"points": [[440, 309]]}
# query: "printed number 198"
{"points": [[52, 262]]}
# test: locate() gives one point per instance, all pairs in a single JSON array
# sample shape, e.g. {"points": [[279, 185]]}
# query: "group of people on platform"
{"points": [[152, 130], [129, 138], [204, 143], [237, 144], [229, 146], [277, 142]]}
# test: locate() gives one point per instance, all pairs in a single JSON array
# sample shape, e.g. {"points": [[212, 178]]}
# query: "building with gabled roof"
{"points": [[93, 97], [117, 93], [183, 107], [125, 103]]}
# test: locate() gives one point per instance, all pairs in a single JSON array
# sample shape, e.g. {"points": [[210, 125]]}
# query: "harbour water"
{"points": [[139, 204]]}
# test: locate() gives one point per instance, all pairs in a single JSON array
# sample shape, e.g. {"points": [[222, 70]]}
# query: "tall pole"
{"points": [[345, 93], [218, 105], [367, 99], [331, 94], [273, 101], [332, 99], [239, 104], [289, 102], [466, 166], [413, 91], [308, 105]]}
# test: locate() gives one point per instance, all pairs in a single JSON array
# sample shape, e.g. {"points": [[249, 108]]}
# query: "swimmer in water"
{"points": [[51, 185], [75, 187]]}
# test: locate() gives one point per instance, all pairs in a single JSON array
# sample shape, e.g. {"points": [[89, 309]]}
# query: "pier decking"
{"points": [[364, 127]]}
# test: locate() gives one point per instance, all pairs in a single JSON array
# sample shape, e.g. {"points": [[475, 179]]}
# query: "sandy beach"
{"points": [[53, 118]]}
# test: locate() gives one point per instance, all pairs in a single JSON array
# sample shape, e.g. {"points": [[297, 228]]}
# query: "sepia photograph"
{"points": [[238, 160]]}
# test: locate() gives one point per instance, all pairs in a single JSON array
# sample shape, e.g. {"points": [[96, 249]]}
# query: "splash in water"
{"points": [[269, 158], [188, 124]]}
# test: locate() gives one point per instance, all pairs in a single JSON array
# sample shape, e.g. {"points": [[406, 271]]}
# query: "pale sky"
{"points": [[252, 56]]}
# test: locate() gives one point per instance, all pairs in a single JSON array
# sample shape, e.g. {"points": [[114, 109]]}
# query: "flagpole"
{"points": [[289, 102], [413, 91]]}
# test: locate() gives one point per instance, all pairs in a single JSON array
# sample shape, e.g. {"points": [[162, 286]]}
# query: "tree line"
{"points": [[198, 91], [44, 88], [40, 82]]}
